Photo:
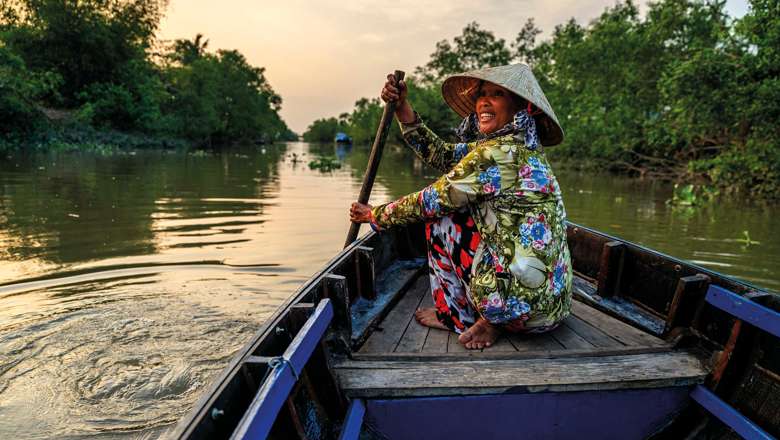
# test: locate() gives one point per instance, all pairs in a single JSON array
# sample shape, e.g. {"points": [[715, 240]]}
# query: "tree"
{"points": [[20, 89], [526, 41], [427, 101], [85, 42], [473, 49], [364, 119], [221, 97], [323, 130], [93, 57], [187, 52]]}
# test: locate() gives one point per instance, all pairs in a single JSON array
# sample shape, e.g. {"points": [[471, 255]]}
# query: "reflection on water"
{"points": [[710, 236], [128, 281]]}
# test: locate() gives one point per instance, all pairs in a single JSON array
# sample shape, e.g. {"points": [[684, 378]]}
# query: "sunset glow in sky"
{"points": [[321, 56]]}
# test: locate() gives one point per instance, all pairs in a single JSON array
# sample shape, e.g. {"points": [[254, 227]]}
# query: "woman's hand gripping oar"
{"points": [[374, 158]]}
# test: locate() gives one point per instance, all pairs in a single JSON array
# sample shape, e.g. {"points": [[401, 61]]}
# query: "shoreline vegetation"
{"points": [[682, 93], [91, 75]]}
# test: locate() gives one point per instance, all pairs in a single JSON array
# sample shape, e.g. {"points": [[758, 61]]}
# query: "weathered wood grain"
{"points": [[436, 339], [365, 271], [334, 287], [616, 329], [436, 342], [611, 268], [587, 328], [404, 379], [393, 326], [590, 333], [534, 342], [688, 296], [415, 334], [502, 344], [569, 339], [391, 285], [585, 249], [413, 339], [494, 355], [453, 346]]}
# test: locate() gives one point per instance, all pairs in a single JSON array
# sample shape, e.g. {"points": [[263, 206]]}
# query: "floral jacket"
{"points": [[522, 267]]}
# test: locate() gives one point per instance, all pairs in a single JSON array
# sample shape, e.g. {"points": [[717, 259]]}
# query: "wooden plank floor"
{"points": [[586, 331], [590, 350]]}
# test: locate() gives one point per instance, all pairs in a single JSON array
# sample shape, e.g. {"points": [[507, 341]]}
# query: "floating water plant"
{"points": [[746, 239], [691, 195], [325, 163]]}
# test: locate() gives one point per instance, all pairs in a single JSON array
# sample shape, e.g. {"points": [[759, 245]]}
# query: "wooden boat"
{"points": [[656, 348]]}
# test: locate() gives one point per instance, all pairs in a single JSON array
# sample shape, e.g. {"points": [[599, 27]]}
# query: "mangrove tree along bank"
{"points": [[73, 71], [684, 92]]}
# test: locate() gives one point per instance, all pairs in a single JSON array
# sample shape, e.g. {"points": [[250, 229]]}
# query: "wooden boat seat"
{"points": [[589, 351], [375, 379]]}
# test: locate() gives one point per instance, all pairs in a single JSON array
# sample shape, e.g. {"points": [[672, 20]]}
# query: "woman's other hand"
{"points": [[396, 92], [360, 213]]}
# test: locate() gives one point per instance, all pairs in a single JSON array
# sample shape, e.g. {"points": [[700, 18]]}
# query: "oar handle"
{"points": [[374, 158]]}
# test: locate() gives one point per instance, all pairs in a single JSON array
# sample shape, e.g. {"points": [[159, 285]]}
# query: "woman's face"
{"points": [[495, 107]]}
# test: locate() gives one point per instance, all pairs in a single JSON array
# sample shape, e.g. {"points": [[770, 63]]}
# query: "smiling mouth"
{"points": [[486, 116]]}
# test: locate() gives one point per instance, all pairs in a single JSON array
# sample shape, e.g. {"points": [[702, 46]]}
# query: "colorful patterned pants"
{"points": [[452, 242]]}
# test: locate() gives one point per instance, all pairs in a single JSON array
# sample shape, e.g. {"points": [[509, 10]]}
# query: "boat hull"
{"points": [[620, 414]]}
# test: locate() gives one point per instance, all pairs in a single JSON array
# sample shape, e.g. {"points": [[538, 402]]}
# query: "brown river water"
{"points": [[128, 280]]}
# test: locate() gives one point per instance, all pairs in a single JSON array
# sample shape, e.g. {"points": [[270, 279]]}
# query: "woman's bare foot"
{"points": [[427, 317], [480, 335]]}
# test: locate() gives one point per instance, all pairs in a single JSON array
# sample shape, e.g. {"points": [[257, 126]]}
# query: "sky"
{"points": [[323, 55]]}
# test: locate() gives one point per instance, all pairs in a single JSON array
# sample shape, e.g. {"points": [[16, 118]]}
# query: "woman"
{"points": [[495, 222]]}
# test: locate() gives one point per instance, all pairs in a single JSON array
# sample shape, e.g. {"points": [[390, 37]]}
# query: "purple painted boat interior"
{"points": [[622, 414]]}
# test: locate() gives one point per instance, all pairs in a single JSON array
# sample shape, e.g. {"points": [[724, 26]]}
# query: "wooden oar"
{"points": [[374, 158]]}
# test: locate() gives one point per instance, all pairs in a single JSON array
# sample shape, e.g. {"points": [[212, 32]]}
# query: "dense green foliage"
{"points": [[324, 130], [684, 92], [220, 96], [362, 123], [19, 90], [95, 64]]}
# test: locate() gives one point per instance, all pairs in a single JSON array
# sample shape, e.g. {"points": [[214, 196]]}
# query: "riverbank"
{"points": [[89, 139], [85, 138]]}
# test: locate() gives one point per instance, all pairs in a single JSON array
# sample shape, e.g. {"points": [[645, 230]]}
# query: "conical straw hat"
{"points": [[460, 93]]}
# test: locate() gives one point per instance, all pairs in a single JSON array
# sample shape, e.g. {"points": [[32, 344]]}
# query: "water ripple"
{"points": [[125, 364]]}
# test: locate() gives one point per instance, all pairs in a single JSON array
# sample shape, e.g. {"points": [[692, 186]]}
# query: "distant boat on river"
{"points": [[342, 138], [655, 348]]}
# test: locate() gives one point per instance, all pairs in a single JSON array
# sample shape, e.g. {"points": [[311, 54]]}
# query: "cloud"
{"points": [[371, 38], [322, 59]]}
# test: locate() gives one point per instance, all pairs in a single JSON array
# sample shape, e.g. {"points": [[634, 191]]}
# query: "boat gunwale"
{"points": [[684, 263], [188, 423]]}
